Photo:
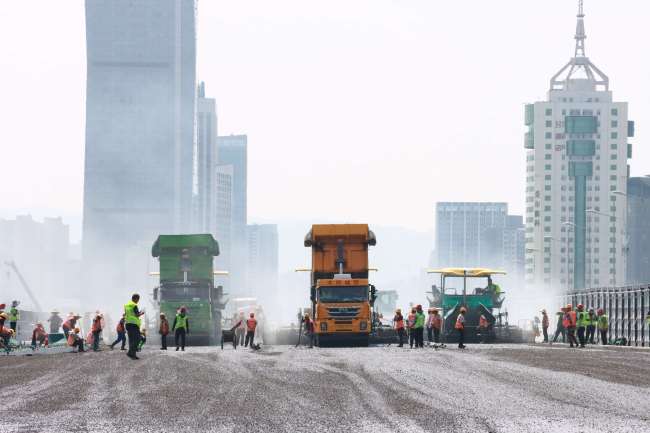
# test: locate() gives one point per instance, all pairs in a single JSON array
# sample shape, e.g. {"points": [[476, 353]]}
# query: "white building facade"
{"points": [[576, 179]]}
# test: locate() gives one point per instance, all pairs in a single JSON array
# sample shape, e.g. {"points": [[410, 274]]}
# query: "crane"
{"points": [[13, 266]]}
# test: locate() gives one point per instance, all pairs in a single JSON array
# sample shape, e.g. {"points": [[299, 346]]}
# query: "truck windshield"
{"points": [[343, 294]]}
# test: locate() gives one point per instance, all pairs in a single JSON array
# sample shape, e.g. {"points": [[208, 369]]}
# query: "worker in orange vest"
{"points": [[460, 327], [163, 330], [410, 323], [121, 334], [483, 325], [70, 324], [308, 326], [398, 323], [39, 335], [569, 323], [436, 325], [96, 329], [251, 324]]}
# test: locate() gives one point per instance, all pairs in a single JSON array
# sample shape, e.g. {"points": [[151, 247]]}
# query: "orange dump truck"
{"points": [[341, 295]]}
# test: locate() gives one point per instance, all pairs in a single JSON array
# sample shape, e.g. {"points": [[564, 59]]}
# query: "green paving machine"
{"points": [[455, 292], [187, 280]]}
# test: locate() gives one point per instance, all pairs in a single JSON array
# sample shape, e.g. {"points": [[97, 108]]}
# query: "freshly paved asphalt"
{"points": [[499, 388]]}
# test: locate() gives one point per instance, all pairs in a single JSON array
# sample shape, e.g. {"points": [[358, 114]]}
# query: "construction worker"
{"points": [[181, 328], [583, 321], [14, 315], [398, 324], [559, 327], [308, 326], [569, 323], [132, 324], [70, 324], [251, 324], [419, 326], [39, 335], [483, 325], [429, 326], [460, 327], [592, 322], [436, 325], [545, 324], [143, 339], [240, 330], [163, 330], [536, 332], [410, 323], [120, 329], [55, 322], [96, 329], [603, 326], [76, 340]]}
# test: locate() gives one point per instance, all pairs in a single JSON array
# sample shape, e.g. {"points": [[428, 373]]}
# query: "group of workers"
{"points": [[578, 325], [414, 325], [244, 329]]}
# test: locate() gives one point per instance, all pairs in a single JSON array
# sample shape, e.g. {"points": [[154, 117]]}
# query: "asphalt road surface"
{"points": [[284, 389]]}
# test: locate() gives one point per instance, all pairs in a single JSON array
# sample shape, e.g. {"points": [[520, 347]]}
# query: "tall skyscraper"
{"points": [[232, 150], [205, 160], [140, 106], [470, 234], [638, 230], [263, 262], [224, 199], [576, 179]]}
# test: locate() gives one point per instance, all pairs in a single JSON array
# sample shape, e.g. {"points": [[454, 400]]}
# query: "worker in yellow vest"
{"points": [[181, 328], [132, 321], [14, 315]]}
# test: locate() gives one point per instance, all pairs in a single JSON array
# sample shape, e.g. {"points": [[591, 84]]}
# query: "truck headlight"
{"points": [[363, 326], [323, 326]]}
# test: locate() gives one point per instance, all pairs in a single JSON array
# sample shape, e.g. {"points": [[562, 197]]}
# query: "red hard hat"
{"points": [[581, 307], [601, 311]]}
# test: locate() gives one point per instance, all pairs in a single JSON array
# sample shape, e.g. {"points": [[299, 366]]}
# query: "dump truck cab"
{"points": [[341, 295], [476, 291]]}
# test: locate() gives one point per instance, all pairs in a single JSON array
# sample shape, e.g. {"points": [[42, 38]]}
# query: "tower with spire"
{"points": [[576, 179]]}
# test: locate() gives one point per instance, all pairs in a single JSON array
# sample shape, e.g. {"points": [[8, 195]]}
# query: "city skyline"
{"points": [[61, 193]]}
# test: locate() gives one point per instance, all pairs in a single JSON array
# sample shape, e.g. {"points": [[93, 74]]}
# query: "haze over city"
{"points": [[324, 216], [355, 111]]}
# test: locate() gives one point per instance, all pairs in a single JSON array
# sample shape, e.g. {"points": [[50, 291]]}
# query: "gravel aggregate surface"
{"points": [[492, 388]]}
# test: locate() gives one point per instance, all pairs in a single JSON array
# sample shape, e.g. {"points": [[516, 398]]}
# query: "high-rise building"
{"points": [[481, 235], [514, 247], [223, 221], [638, 230], [232, 150], [576, 179], [263, 262], [205, 160], [470, 234], [140, 106]]}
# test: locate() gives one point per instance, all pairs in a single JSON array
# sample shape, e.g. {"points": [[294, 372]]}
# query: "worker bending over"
{"points": [[39, 335]]}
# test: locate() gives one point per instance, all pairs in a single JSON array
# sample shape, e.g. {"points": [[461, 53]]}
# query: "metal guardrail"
{"points": [[626, 307]]}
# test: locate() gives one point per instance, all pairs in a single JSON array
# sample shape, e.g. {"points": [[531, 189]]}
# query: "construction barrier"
{"points": [[627, 308]]}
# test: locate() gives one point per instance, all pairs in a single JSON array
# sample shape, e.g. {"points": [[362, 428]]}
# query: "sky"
{"points": [[356, 110]]}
